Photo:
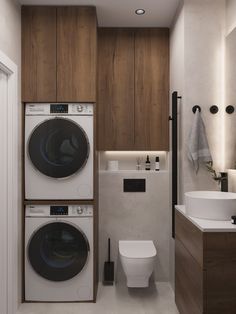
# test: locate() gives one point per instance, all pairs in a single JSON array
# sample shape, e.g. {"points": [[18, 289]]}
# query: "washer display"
{"points": [[59, 145], [59, 253]]}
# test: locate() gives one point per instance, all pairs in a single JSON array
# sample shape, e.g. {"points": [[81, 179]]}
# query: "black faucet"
{"points": [[224, 181]]}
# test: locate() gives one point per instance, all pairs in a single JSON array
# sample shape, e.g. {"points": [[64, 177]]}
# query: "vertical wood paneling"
{"points": [[76, 54], [220, 256], [38, 54], [151, 89], [188, 281], [116, 89], [190, 236]]}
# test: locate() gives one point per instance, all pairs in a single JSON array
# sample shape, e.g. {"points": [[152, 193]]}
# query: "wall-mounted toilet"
{"points": [[137, 259]]}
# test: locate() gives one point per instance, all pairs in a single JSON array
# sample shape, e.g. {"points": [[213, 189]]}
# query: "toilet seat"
{"points": [[137, 249]]}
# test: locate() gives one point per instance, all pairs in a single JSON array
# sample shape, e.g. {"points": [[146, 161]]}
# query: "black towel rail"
{"points": [[174, 120]]}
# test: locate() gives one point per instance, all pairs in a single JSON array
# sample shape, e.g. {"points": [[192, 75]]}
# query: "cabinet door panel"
{"points": [[188, 282], [151, 89], [38, 54], [191, 237], [220, 256], [76, 54], [116, 89]]}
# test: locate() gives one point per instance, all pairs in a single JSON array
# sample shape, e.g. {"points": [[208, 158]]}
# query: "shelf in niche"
{"points": [[133, 171]]}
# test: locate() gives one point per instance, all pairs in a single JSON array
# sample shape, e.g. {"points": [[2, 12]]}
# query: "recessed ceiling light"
{"points": [[140, 11]]}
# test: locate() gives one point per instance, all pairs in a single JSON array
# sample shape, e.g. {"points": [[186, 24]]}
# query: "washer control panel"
{"points": [[59, 109], [59, 211]]}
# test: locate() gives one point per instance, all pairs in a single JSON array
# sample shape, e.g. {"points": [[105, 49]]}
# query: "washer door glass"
{"points": [[58, 251], [58, 148]]}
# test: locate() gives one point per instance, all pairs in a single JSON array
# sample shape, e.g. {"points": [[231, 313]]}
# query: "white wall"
{"points": [[10, 44], [197, 66], [10, 29], [197, 73], [230, 15], [131, 216], [177, 52], [204, 38], [176, 84], [203, 83]]}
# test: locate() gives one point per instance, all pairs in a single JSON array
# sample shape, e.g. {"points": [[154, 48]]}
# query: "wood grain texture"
{"points": [[152, 89], [38, 54], [190, 236], [76, 54], [116, 89], [216, 269], [220, 258], [188, 281], [58, 202]]}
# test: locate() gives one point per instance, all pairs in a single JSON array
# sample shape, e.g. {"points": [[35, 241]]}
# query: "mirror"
{"points": [[230, 99]]}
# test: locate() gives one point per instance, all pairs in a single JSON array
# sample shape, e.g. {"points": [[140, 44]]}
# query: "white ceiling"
{"points": [[120, 13]]}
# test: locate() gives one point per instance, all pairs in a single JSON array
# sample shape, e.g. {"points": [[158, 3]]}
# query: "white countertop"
{"points": [[208, 225]]}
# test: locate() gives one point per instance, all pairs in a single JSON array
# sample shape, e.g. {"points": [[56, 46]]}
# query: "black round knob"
{"points": [[214, 109], [229, 109], [195, 108]]}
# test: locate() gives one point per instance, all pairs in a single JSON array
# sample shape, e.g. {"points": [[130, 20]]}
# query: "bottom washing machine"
{"points": [[59, 253]]}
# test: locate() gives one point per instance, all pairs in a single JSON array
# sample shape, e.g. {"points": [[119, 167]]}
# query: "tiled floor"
{"points": [[158, 299]]}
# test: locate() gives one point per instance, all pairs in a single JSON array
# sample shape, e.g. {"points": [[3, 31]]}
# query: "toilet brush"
{"points": [[108, 273]]}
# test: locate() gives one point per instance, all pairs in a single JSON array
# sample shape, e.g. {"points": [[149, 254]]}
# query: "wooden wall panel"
{"points": [[152, 89], [76, 54], [116, 89], [38, 54]]}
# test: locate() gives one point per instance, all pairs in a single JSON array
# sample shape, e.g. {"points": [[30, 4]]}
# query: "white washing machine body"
{"points": [[59, 151], [59, 253]]}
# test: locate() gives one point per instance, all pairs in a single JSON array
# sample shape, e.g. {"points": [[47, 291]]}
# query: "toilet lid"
{"points": [[137, 249]]}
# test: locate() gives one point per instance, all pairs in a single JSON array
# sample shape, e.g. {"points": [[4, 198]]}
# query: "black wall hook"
{"points": [[229, 109], [214, 109], [194, 109]]}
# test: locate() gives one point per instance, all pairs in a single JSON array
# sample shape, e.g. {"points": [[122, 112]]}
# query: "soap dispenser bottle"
{"points": [[147, 164], [157, 164]]}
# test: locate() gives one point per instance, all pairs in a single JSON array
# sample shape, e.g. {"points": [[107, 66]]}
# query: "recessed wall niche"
{"points": [[128, 160]]}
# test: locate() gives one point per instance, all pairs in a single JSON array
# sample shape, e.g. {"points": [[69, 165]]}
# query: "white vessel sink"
{"points": [[212, 205]]}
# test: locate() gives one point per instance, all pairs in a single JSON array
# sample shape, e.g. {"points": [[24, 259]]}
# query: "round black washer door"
{"points": [[58, 148], [58, 251]]}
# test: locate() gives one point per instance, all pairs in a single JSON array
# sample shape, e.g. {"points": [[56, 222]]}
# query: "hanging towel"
{"points": [[198, 148]]}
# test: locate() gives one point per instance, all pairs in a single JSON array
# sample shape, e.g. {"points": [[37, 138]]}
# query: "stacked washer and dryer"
{"points": [[59, 170]]}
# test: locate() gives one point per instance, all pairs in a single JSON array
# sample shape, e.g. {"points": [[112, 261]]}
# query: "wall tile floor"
{"points": [[158, 299]]}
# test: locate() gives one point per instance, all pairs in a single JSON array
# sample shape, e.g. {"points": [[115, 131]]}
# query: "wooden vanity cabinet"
{"points": [[59, 53], [205, 269], [133, 89]]}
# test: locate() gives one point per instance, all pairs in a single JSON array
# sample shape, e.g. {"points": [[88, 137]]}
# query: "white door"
{"points": [[3, 193]]}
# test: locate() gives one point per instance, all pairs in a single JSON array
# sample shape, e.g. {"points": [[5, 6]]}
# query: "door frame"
{"points": [[13, 201]]}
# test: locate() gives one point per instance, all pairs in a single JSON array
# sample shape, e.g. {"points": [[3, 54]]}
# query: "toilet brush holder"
{"points": [[108, 273]]}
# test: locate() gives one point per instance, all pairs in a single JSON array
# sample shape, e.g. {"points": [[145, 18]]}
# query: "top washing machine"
{"points": [[59, 151]]}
